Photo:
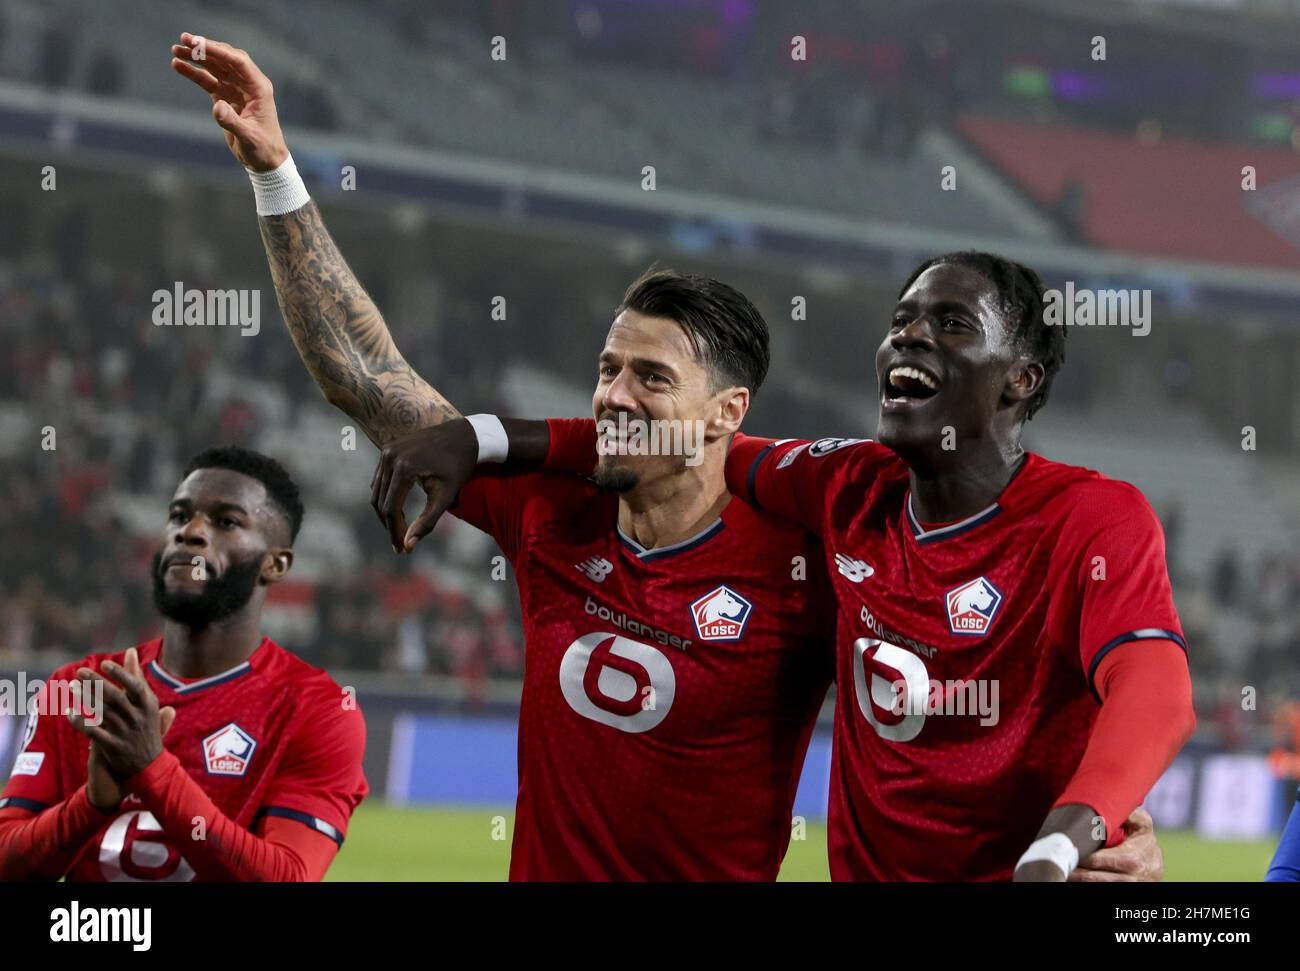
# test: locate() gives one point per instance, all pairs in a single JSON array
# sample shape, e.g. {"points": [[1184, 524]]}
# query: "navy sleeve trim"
{"points": [[307, 819], [17, 802], [751, 481], [1142, 634]]}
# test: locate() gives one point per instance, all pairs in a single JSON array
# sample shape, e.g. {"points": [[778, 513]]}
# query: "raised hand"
{"points": [[243, 102]]}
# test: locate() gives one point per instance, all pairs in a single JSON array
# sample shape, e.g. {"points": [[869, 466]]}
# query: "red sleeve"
{"points": [[221, 849], [1146, 717], [494, 501], [1115, 548], [42, 831], [304, 815], [316, 851], [797, 493], [320, 781], [789, 477], [36, 780], [573, 445], [36, 846], [742, 459]]}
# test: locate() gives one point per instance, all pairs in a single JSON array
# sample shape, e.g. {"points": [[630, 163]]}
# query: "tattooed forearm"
{"points": [[340, 334]]}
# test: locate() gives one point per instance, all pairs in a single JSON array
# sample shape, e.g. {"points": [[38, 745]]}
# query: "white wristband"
{"points": [[279, 191], [1055, 848], [493, 445]]}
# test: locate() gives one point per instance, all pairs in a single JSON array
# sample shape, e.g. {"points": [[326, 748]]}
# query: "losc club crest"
{"points": [[972, 607], [721, 615], [228, 751]]}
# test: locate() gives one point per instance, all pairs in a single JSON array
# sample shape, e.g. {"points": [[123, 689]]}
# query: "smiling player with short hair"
{"points": [[665, 714]]}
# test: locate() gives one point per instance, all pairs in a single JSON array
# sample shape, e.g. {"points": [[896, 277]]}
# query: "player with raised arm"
{"points": [[261, 766], [676, 654], [338, 331], [665, 714], [961, 564]]}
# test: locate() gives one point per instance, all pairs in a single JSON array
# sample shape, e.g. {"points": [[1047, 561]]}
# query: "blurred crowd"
{"points": [[873, 78], [101, 410], [1243, 632]]}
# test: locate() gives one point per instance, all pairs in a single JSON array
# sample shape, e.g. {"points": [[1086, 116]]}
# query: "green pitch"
{"points": [[388, 843]]}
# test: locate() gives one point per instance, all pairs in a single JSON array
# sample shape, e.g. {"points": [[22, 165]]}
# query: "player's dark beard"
{"points": [[221, 596], [616, 478], [609, 475]]}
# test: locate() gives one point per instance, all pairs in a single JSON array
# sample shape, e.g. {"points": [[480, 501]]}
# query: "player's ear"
{"points": [[733, 405], [1023, 380], [276, 565]]}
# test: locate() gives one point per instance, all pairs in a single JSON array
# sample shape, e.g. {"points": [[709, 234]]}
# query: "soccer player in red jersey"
{"points": [[666, 710], [261, 767], [672, 676], [678, 643], [1011, 668], [981, 563]]}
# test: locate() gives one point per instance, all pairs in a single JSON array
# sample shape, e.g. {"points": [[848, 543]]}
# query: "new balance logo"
{"points": [[855, 570], [596, 568]]}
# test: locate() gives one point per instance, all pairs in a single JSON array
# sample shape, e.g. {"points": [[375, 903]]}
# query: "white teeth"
{"points": [[915, 375]]}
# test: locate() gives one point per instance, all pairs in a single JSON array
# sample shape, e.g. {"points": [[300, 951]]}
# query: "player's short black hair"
{"points": [[266, 470], [726, 331], [1020, 293]]}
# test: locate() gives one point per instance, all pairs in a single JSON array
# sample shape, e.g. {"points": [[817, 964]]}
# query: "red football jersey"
{"points": [[669, 694], [270, 737], [995, 625]]}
